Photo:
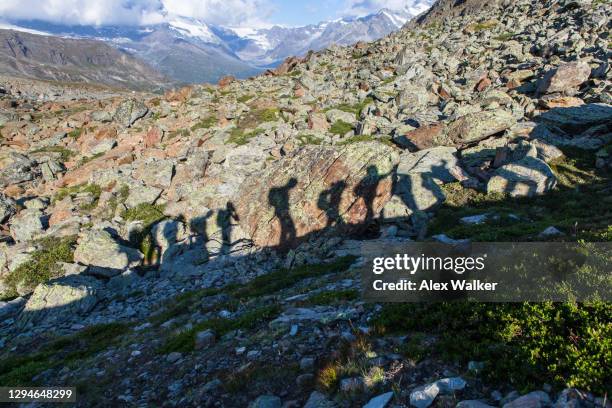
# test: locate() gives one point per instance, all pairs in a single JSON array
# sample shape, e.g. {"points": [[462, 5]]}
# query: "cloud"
{"points": [[135, 12], [363, 7]]}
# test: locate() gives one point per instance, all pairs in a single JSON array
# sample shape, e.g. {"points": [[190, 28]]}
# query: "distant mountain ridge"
{"points": [[74, 60], [189, 50]]}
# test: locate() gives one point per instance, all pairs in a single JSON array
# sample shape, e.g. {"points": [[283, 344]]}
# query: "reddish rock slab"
{"points": [[318, 187]]}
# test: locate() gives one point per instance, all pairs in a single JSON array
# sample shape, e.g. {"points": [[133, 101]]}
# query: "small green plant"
{"points": [[43, 264], [185, 340], [240, 137], [64, 153], [86, 160], [484, 26], [76, 133], [357, 109], [206, 123], [92, 189], [178, 132], [149, 215], [65, 351], [245, 98], [340, 128], [309, 140], [504, 37]]}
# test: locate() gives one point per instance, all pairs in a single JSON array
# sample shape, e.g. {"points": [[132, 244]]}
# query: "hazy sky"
{"points": [[225, 12]]}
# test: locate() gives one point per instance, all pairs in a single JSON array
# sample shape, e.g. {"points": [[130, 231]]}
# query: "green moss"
{"points": [[239, 137], [340, 128], [43, 264], [484, 26], [504, 37], [86, 160], [281, 279], [65, 351], [245, 98], [309, 140], [332, 297], [356, 109], [64, 153], [178, 132], [93, 189], [522, 344], [76, 133], [206, 123]]}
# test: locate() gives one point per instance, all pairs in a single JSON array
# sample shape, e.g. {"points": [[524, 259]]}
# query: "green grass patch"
{"points": [[178, 132], [149, 215], [309, 140], [340, 128], [43, 264], [332, 297], [64, 153], [206, 123], [523, 345], [87, 159], [239, 137], [579, 205], [504, 37], [65, 351], [76, 133], [93, 189], [275, 281], [356, 108], [484, 26], [245, 98], [185, 340]]}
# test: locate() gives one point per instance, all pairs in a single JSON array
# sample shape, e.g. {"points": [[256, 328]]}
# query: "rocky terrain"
{"points": [[201, 248]]}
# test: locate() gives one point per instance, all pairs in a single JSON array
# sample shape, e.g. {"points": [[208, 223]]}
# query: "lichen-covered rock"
{"points": [[477, 126], [129, 111], [60, 298], [440, 163], [524, 178], [319, 187], [27, 225], [565, 78], [104, 255], [8, 208]]}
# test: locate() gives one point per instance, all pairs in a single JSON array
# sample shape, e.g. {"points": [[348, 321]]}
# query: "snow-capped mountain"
{"points": [[189, 50]]}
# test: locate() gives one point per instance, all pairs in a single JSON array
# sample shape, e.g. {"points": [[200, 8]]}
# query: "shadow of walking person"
{"points": [[224, 222], [278, 198], [367, 190], [329, 202]]}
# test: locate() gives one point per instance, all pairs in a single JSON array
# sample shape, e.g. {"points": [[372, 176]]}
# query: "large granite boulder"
{"points": [[477, 126], [565, 78], [129, 111], [524, 178], [104, 255], [55, 300]]}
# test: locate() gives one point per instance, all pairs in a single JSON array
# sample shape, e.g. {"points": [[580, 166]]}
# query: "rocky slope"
{"points": [[200, 248], [71, 60]]}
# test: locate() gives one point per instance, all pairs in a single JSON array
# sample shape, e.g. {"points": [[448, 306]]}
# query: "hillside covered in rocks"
{"points": [[201, 248]]}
